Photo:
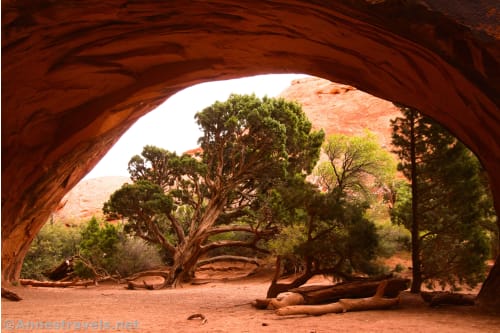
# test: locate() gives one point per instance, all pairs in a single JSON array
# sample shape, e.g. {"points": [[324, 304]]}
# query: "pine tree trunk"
{"points": [[415, 237]]}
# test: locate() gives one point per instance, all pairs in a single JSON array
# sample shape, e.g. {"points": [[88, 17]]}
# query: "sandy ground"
{"points": [[226, 306]]}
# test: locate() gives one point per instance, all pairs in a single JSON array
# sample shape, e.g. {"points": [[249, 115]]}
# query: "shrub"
{"points": [[102, 245], [97, 248], [54, 243], [392, 239], [134, 255]]}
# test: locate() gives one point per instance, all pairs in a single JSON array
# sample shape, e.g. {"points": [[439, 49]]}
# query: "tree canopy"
{"points": [[326, 231], [249, 145], [354, 164]]}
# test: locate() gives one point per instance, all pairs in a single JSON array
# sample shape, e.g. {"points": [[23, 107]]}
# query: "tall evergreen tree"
{"points": [[447, 204]]}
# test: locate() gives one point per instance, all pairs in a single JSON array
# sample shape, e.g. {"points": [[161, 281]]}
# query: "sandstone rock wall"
{"points": [[340, 108]]}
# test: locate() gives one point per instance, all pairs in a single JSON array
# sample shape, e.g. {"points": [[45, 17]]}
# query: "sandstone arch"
{"points": [[77, 74]]}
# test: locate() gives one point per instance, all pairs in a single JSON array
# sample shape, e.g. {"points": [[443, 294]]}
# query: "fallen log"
{"points": [[10, 295], [375, 302], [312, 295], [62, 271], [56, 284], [447, 298], [355, 289], [292, 299]]}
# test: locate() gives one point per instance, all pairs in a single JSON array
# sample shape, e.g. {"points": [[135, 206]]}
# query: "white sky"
{"points": [[171, 126]]}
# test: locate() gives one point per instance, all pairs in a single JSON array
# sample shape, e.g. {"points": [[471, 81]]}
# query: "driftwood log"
{"points": [[444, 297], [375, 302], [312, 295], [56, 284]]}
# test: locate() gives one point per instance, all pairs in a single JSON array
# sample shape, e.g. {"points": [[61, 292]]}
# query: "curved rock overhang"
{"points": [[77, 74]]}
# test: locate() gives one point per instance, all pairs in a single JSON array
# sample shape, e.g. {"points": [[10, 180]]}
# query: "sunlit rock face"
{"points": [[77, 74], [340, 108]]}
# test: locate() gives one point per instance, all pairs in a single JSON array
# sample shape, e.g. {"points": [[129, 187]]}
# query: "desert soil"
{"points": [[225, 303]]}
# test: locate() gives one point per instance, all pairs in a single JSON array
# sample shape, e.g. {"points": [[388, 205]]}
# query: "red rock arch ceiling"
{"points": [[77, 74]]}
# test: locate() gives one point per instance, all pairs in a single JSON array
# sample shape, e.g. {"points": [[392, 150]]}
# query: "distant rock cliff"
{"points": [[339, 108], [86, 199]]}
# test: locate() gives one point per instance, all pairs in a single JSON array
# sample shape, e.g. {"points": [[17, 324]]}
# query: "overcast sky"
{"points": [[172, 126]]}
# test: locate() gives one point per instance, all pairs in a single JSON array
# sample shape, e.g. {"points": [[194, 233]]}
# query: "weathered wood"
{"points": [[164, 274], [292, 299], [212, 260], [314, 295], [356, 289], [61, 271], [343, 305], [277, 288], [132, 285], [10, 295], [261, 304], [56, 284], [311, 310], [144, 285], [448, 298]]}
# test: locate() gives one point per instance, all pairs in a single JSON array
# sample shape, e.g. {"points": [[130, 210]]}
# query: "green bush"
{"points": [[102, 245], [392, 239], [109, 250], [98, 249], [54, 243]]}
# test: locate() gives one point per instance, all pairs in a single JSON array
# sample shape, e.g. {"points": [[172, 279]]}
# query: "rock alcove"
{"points": [[77, 74]]}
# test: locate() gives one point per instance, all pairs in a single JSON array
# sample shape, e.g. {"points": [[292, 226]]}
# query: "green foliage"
{"points": [[355, 164], [326, 231], [98, 246], [146, 207], [188, 204], [452, 202], [392, 239], [329, 231], [54, 243], [102, 245], [135, 255], [263, 139]]}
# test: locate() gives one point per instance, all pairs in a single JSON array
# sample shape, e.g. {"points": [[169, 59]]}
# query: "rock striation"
{"points": [[77, 74]]}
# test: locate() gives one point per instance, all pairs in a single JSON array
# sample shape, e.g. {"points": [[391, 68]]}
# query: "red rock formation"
{"points": [[87, 198], [340, 108], [77, 74]]}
